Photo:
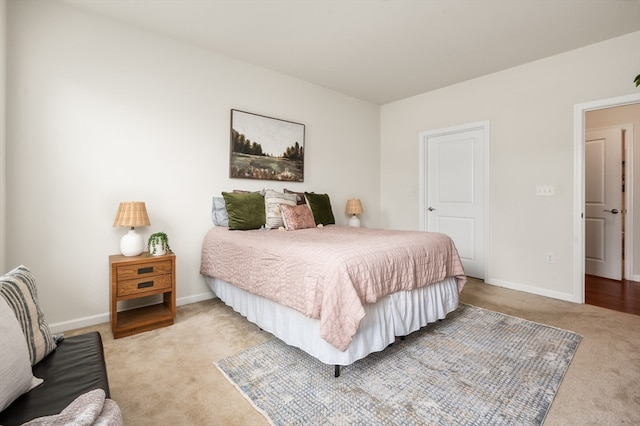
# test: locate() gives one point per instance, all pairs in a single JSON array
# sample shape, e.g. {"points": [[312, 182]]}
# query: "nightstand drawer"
{"points": [[143, 285], [141, 270]]}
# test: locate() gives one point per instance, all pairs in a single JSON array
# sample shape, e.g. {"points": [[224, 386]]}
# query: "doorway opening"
{"points": [[580, 279]]}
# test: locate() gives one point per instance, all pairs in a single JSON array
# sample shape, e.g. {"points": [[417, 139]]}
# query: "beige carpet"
{"points": [[167, 376]]}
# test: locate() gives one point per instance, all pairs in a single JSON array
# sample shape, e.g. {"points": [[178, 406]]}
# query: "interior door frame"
{"points": [[485, 127], [579, 133]]}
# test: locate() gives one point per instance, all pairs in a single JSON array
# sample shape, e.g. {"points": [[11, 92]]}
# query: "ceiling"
{"points": [[380, 50]]}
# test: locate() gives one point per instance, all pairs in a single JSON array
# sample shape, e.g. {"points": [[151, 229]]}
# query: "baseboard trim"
{"points": [[534, 290], [61, 327], [195, 298], [89, 321]]}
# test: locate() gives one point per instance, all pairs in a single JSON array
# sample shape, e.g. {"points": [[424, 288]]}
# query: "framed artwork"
{"points": [[266, 148]]}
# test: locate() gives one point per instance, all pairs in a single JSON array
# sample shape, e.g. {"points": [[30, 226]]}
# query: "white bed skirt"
{"points": [[398, 314]]}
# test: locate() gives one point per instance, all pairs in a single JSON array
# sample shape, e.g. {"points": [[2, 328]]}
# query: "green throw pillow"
{"points": [[321, 208], [245, 210]]}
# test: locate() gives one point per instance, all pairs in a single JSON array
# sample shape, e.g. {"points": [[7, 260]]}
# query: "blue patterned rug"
{"points": [[477, 367]]}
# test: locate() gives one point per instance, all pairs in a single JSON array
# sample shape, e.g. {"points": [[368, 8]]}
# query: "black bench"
{"points": [[75, 367]]}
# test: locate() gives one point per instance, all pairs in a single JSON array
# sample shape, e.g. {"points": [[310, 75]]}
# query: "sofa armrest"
{"points": [[75, 367]]}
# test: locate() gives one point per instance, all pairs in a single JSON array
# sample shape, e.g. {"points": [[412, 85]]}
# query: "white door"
{"points": [[455, 200], [603, 202]]}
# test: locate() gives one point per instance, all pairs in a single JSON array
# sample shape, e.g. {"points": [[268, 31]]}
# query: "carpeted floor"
{"points": [[477, 367], [167, 377]]}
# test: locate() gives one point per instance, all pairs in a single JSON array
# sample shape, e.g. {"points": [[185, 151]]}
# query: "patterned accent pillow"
{"points": [[18, 287], [272, 202], [297, 217]]}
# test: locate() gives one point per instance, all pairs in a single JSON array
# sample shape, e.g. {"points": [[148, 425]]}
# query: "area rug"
{"points": [[476, 367]]}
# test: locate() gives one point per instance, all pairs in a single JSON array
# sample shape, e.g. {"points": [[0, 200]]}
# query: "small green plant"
{"points": [[637, 80], [158, 240]]}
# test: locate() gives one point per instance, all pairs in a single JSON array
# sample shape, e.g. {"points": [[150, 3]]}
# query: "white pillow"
{"points": [[15, 367], [219, 212], [18, 287]]}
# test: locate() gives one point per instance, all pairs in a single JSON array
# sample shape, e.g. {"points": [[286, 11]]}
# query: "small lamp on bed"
{"points": [[354, 208], [132, 214]]}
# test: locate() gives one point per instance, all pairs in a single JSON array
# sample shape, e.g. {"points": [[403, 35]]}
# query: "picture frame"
{"points": [[266, 148]]}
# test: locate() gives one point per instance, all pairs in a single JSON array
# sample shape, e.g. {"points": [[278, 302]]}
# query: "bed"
{"points": [[338, 293]]}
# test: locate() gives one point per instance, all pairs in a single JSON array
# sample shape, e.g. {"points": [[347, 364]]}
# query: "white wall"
{"points": [[94, 107], [99, 112], [629, 114], [530, 108]]}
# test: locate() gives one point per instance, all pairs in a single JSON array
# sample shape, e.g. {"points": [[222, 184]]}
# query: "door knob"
{"points": [[432, 209], [612, 211]]}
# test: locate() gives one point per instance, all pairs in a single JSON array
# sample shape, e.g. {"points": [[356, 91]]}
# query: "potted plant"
{"points": [[158, 244]]}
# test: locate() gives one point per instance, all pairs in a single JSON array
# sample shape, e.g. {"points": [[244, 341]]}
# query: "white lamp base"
{"points": [[354, 221], [132, 243]]}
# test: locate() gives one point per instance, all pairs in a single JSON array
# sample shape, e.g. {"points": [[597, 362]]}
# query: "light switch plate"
{"points": [[544, 190]]}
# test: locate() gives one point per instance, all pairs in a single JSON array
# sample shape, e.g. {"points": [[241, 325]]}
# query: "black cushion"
{"points": [[75, 367]]}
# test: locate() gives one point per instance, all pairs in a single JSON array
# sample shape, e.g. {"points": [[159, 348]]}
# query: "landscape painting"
{"points": [[266, 148]]}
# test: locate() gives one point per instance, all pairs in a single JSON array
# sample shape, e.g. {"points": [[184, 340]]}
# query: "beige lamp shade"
{"points": [[132, 213], [354, 206]]}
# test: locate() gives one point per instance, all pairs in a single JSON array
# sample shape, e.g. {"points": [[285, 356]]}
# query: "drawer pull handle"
{"points": [[146, 270], [145, 284]]}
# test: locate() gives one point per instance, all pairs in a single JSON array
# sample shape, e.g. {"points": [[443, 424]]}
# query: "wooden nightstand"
{"points": [[133, 277]]}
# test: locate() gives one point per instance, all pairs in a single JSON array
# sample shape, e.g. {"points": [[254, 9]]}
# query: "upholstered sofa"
{"points": [[47, 378]]}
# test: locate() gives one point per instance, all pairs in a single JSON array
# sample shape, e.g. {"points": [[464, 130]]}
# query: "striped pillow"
{"points": [[272, 201], [18, 288]]}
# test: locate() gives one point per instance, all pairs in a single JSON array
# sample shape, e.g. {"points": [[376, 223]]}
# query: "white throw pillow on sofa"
{"points": [[19, 289], [15, 366]]}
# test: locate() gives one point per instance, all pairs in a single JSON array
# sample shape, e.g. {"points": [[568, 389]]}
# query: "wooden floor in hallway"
{"points": [[622, 296]]}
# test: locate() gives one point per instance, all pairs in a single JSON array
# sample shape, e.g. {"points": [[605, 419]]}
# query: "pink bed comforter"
{"points": [[330, 273]]}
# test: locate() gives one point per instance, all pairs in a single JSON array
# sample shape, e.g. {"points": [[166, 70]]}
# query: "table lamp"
{"points": [[354, 208], [132, 214]]}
